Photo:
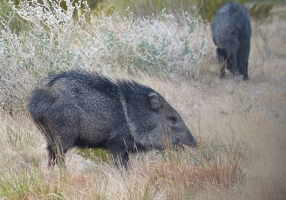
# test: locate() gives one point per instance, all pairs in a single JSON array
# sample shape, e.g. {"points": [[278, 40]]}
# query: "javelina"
{"points": [[81, 109], [231, 30]]}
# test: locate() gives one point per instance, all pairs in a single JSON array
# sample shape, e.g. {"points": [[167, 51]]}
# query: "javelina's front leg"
{"points": [[120, 156], [243, 56]]}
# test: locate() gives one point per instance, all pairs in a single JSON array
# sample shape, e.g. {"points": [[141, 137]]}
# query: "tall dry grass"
{"points": [[240, 126]]}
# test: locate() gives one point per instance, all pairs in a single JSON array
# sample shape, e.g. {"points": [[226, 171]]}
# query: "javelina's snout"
{"points": [[77, 108], [191, 141]]}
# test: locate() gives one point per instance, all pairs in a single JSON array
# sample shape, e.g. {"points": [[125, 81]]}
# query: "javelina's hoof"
{"points": [[222, 74], [245, 78], [236, 77]]}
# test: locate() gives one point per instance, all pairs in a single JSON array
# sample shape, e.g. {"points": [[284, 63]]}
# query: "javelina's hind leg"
{"points": [[222, 72], [52, 156], [245, 73], [56, 156]]}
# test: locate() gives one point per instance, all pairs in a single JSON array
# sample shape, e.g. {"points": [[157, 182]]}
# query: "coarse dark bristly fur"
{"points": [[231, 30], [77, 108]]}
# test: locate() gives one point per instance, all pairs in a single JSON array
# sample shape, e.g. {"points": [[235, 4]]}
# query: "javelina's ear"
{"points": [[155, 101]]}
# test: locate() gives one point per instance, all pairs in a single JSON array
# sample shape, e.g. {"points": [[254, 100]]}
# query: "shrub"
{"points": [[261, 10], [166, 46], [39, 50], [9, 19], [147, 8]]}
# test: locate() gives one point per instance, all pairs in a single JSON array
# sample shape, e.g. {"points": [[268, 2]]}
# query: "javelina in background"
{"points": [[231, 30], [81, 109]]}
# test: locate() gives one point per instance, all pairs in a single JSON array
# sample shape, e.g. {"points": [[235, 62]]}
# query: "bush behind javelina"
{"points": [[77, 108], [231, 30]]}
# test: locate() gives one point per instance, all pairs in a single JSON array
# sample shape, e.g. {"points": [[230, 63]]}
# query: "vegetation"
{"points": [[204, 8], [165, 45], [55, 41], [261, 10]]}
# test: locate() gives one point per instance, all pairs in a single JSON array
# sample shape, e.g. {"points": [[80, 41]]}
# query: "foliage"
{"points": [[9, 19], [204, 8], [36, 52], [55, 41], [209, 8], [94, 155], [167, 175], [147, 8], [261, 10]]}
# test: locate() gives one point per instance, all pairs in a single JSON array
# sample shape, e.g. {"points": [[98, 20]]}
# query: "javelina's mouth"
{"points": [[179, 146]]}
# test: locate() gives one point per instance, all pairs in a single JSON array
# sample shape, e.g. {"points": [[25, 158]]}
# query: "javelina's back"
{"points": [[67, 88], [76, 108], [231, 30]]}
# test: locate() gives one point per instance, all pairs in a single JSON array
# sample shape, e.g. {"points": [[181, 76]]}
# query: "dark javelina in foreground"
{"points": [[87, 110], [231, 30]]}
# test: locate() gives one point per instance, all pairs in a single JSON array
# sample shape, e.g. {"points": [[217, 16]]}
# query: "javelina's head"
{"points": [[164, 126]]}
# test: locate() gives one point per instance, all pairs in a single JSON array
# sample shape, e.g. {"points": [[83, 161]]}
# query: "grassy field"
{"points": [[240, 126]]}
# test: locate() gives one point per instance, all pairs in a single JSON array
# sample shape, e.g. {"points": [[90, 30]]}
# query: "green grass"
{"points": [[203, 8], [95, 155]]}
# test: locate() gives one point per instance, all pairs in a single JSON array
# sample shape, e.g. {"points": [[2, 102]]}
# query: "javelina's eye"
{"points": [[173, 119]]}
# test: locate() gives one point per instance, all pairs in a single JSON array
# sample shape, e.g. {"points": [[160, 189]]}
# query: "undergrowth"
{"points": [[56, 40], [162, 175]]}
